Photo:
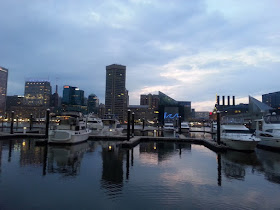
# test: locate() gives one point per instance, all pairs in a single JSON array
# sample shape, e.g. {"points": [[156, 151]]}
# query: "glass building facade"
{"points": [[3, 89]]}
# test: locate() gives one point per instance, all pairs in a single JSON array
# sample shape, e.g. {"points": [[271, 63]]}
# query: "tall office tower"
{"points": [[116, 93], [93, 104], [3, 89], [37, 93]]}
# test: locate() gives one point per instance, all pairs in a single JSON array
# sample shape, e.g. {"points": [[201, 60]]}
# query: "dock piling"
{"points": [[218, 129], [132, 126], [47, 123], [12, 123], [128, 124], [30, 122], [180, 127]]}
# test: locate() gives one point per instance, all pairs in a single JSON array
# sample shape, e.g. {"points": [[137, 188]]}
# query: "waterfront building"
{"points": [[73, 99], [3, 89], [151, 100], [143, 111], [202, 115], [37, 93], [55, 99], [13, 102], [116, 95], [272, 99], [92, 104], [166, 108]]}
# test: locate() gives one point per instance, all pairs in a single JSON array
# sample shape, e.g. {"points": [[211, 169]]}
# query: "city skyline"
{"points": [[190, 50]]}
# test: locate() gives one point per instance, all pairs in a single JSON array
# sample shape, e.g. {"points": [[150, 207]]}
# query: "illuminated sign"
{"points": [[170, 116], [66, 86]]}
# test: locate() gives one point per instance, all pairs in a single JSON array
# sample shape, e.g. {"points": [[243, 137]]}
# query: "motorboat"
{"points": [[238, 137], [94, 123], [268, 130], [185, 128], [169, 127], [68, 128], [111, 125]]}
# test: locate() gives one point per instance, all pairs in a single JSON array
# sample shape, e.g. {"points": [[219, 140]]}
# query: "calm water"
{"points": [[100, 175]]}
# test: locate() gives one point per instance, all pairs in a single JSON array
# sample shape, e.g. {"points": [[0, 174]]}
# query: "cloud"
{"points": [[190, 50]]}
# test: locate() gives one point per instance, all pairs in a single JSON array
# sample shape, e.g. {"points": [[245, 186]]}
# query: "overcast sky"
{"points": [[188, 49]]}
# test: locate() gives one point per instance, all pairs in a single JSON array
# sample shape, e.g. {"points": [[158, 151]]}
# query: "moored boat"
{"points": [[268, 130], [238, 137], [68, 128]]}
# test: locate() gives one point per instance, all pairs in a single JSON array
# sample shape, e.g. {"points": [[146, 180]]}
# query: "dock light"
{"points": [[23, 143], [24, 129], [155, 147], [110, 147]]}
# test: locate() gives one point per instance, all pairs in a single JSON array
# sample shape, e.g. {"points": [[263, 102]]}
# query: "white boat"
{"points": [[111, 126], [268, 130], [168, 126], [94, 123], [238, 137], [69, 128], [185, 128]]}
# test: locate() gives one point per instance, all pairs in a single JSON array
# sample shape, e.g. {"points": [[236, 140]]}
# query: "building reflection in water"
{"points": [[160, 151], [270, 165], [65, 160], [112, 169], [234, 163]]}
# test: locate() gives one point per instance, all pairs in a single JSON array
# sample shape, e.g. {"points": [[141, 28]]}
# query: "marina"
{"points": [[153, 174]]}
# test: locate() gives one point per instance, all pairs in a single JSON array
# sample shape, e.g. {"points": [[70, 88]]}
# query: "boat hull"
{"points": [[269, 142], [240, 145], [67, 137]]}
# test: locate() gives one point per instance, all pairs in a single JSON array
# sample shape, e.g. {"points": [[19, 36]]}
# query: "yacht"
{"points": [[238, 137], [185, 128], [169, 127], [94, 124], [111, 125], [268, 130], [68, 128]]}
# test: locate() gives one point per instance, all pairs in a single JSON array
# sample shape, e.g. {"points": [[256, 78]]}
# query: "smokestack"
{"points": [[233, 100], [223, 100], [218, 100], [228, 100]]}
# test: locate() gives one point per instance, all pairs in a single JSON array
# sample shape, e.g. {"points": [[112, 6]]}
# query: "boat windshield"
{"points": [[272, 119], [237, 131]]}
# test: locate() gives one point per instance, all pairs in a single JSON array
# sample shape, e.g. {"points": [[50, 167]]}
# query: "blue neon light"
{"points": [[166, 115]]}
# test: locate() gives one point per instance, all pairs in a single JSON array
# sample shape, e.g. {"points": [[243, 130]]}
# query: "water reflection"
{"points": [[155, 152], [234, 163], [112, 170], [270, 165], [65, 160]]}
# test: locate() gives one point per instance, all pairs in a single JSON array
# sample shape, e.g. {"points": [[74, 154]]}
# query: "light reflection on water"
{"points": [[152, 175]]}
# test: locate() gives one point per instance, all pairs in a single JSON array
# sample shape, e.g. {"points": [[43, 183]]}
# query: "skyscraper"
{"points": [[93, 104], [37, 93], [73, 99], [116, 93], [3, 89]]}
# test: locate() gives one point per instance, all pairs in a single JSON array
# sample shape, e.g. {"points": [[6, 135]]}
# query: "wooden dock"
{"points": [[134, 141]]}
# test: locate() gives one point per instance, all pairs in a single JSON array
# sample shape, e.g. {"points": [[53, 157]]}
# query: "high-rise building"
{"points": [[3, 89], [37, 93], [272, 99], [116, 94], [55, 99], [73, 99], [93, 104], [72, 96]]}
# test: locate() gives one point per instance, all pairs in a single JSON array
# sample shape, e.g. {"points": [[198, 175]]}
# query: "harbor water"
{"points": [[153, 175]]}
